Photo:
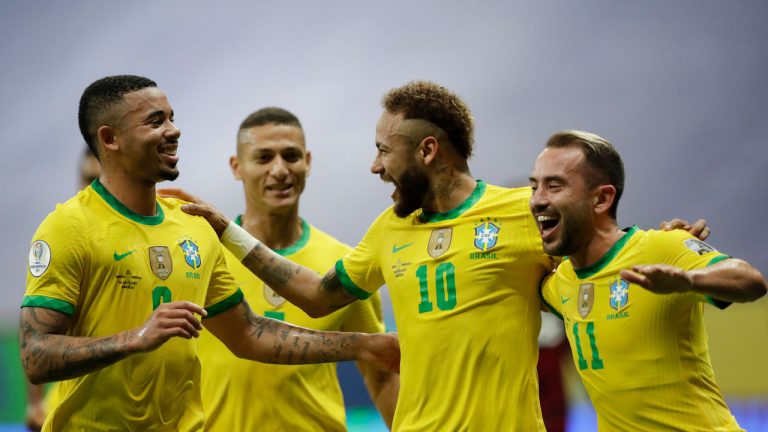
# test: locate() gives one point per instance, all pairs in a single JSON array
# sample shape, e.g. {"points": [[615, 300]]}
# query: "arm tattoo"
{"points": [[49, 355], [288, 344]]}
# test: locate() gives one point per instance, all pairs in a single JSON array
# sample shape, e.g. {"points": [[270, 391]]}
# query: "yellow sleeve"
{"points": [[56, 263], [359, 270], [683, 250], [223, 293], [549, 295]]}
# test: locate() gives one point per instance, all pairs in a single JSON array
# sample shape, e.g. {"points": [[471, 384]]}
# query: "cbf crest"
{"points": [[439, 242], [586, 299], [619, 294], [160, 261], [191, 253], [486, 235]]}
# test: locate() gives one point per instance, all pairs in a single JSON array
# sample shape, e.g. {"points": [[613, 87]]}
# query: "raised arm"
{"points": [[253, 337], [47, 354], [317, 296], [731, 280]]}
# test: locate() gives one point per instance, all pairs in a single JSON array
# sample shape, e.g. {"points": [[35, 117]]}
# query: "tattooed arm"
{"points": [[266, 340], [47, 354], [315, 295], [299, 285]]}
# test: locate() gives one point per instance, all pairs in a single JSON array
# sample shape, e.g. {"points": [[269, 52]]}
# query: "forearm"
{"points": [[383, 387], [266, 340], [731, 280], [50, 357]]}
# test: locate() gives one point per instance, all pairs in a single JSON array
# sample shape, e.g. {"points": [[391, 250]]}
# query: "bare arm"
{"points": [[35, 415], [47, 354], [299, 285], [383, 388], [266, 340], [731, 280]]}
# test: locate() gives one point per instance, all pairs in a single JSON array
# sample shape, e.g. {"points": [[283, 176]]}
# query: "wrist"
{"points": [[238, 241]]}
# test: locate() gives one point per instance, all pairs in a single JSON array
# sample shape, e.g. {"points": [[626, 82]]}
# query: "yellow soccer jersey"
{"points": [[642, 357], [96, 260], [464, 287], [241, 395]]}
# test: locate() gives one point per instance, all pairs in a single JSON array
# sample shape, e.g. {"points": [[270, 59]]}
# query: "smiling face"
{"points": [[273, 163], [562, 201], [146, 136], [395, 163]]}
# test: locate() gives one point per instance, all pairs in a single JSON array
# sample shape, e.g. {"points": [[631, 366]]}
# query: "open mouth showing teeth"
{"points": [[546, 223], [169, 151]]}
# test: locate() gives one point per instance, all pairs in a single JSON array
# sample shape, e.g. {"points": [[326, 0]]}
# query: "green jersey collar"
{"points": [[292, 249], [125, 211], [608, 257], [427, 216]]}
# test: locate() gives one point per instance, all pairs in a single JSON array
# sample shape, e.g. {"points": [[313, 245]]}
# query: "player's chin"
{"points": [[169, 173]]}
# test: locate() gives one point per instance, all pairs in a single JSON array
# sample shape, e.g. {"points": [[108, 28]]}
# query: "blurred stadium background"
{"points": [[681, 88]]}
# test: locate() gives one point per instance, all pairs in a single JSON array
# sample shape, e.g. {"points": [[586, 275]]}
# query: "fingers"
{"points": [[197, 210], [634, 277], [180, 194], [699, 229], [675, 223]]}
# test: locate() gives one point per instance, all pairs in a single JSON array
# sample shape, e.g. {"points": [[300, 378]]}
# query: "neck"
{"points": [[138, 195], [449, 190], [277, 230], [604, 237]]}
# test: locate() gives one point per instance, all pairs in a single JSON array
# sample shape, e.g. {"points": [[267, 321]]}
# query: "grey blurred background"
{"points": [[680, 87]]}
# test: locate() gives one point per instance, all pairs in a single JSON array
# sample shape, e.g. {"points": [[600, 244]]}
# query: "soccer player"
{"points": [[117, 279], [631, 300], [273, 163], [463, 263]]}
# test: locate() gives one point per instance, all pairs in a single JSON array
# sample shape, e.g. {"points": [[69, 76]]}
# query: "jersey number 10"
{"points": [[445, 287]]}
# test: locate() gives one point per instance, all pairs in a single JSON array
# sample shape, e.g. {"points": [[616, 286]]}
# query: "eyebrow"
{"points": [[157, 113]]}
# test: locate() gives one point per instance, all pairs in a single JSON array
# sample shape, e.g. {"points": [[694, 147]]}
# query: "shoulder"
{"points": [[321, 238]]}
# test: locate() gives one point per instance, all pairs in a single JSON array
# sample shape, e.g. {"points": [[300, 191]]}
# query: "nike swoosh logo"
{"points": [[118, 256], [564, 300], [396, 249]]}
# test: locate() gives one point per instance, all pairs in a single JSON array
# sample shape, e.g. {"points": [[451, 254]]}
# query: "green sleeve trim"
{"points": [[720, 304], [549, 306], [125, 211], [347, 283], [224, 305], [62, 306], [717, 259], [476, 194]]}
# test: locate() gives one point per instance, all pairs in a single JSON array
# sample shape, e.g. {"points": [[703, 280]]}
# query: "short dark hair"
{"points": [[432, 102], [604, 163], [270, 115], [100, 98]]}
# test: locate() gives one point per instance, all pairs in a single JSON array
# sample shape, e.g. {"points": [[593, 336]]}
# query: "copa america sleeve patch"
{"points": [[698, 246], [39, 257]]}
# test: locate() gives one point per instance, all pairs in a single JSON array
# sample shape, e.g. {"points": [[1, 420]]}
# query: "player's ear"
{"points": [[428, 149], [603, 198], [234, 165], [308, 157], [107, 137]]}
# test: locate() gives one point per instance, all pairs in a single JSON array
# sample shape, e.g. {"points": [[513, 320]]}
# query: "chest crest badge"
{"points": [[272, 297], [586, 299], [619, 294], [439, 242], [486, 235], [191, 253], [160, 261]]}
